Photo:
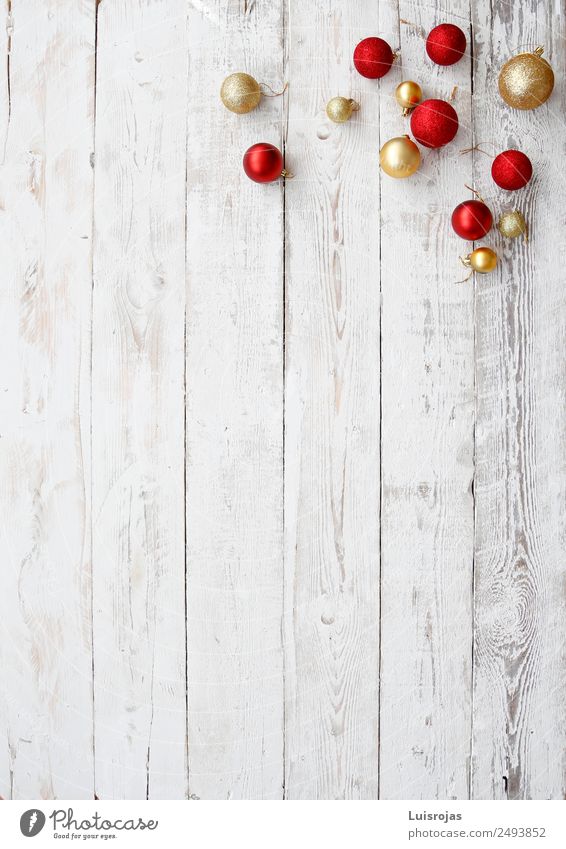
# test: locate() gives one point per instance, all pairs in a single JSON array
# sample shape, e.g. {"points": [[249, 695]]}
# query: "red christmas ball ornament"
{"points": [[511, 170], [434, 123], [446, 44], [471, 220], [373, 58], [263, 162]]}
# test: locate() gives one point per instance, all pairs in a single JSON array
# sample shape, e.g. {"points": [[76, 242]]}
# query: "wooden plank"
{"points": [[332, 411], [427, 444], [46, 137], [520, 668], [234, 413], [138, 408]]}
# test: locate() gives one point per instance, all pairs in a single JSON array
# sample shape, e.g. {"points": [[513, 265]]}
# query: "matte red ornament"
{"points": [[434, 123], [511, 170], [373, 58], [263, 162], [446, 44], [471, 220]]}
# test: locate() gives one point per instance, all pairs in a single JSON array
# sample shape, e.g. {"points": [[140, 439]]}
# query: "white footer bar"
{"points": [[291, 825]]}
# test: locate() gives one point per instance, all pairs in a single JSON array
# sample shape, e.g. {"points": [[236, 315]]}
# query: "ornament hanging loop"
{"points": [[474, 192], [287, 175], [478, 148], [538, 51], [274, 93], [418, 29], [466, 262]]}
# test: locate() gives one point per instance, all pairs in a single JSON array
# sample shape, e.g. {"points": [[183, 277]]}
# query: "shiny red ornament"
{"points": [[263, 162], [472, 220], [511, 170], [434, 123], [373, 58], [446, 44]]}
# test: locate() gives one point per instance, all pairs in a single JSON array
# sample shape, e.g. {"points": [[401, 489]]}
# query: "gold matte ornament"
{"points": [[240, 93], [482, 260], [513, 224], [408, 94], [340, 109], [400, 157], [526, 81]]}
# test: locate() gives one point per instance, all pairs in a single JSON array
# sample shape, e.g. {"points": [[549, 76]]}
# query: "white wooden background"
{"points": [[283, 508]]}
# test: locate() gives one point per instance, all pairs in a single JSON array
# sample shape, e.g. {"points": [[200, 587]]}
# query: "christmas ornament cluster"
{"points": [[526, 82]]}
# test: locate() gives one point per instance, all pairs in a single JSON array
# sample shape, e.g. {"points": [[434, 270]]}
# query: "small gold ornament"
{"points": [[526, 81], [340, 109], [240, 93], [482, 260], [400, 157], [513, 224], [408, 94]]}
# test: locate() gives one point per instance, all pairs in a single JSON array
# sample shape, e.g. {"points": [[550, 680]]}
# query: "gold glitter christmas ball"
{"points": [[240, 93], [512, 224], [400, 157], [340, 109], [408, 94], [526, 81]]}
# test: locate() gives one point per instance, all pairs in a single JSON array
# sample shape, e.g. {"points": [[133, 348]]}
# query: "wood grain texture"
{"points": [[520, 672], [138, 400], [283, 507], [234, 413], [46, 136], [427, 443], [332, 411]]}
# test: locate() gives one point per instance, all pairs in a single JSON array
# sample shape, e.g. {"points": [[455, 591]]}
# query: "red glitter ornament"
{"points": [[472, 220], [373, 58], [511, 170], [434, 123], [446, 44], [263, 163]]}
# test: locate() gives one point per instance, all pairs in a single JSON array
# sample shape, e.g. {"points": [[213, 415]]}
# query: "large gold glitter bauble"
{"points": [[482, 260], [512, 224], [240, 93], [400, 157], [408, 94], [340, 109], [526, 81]]}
